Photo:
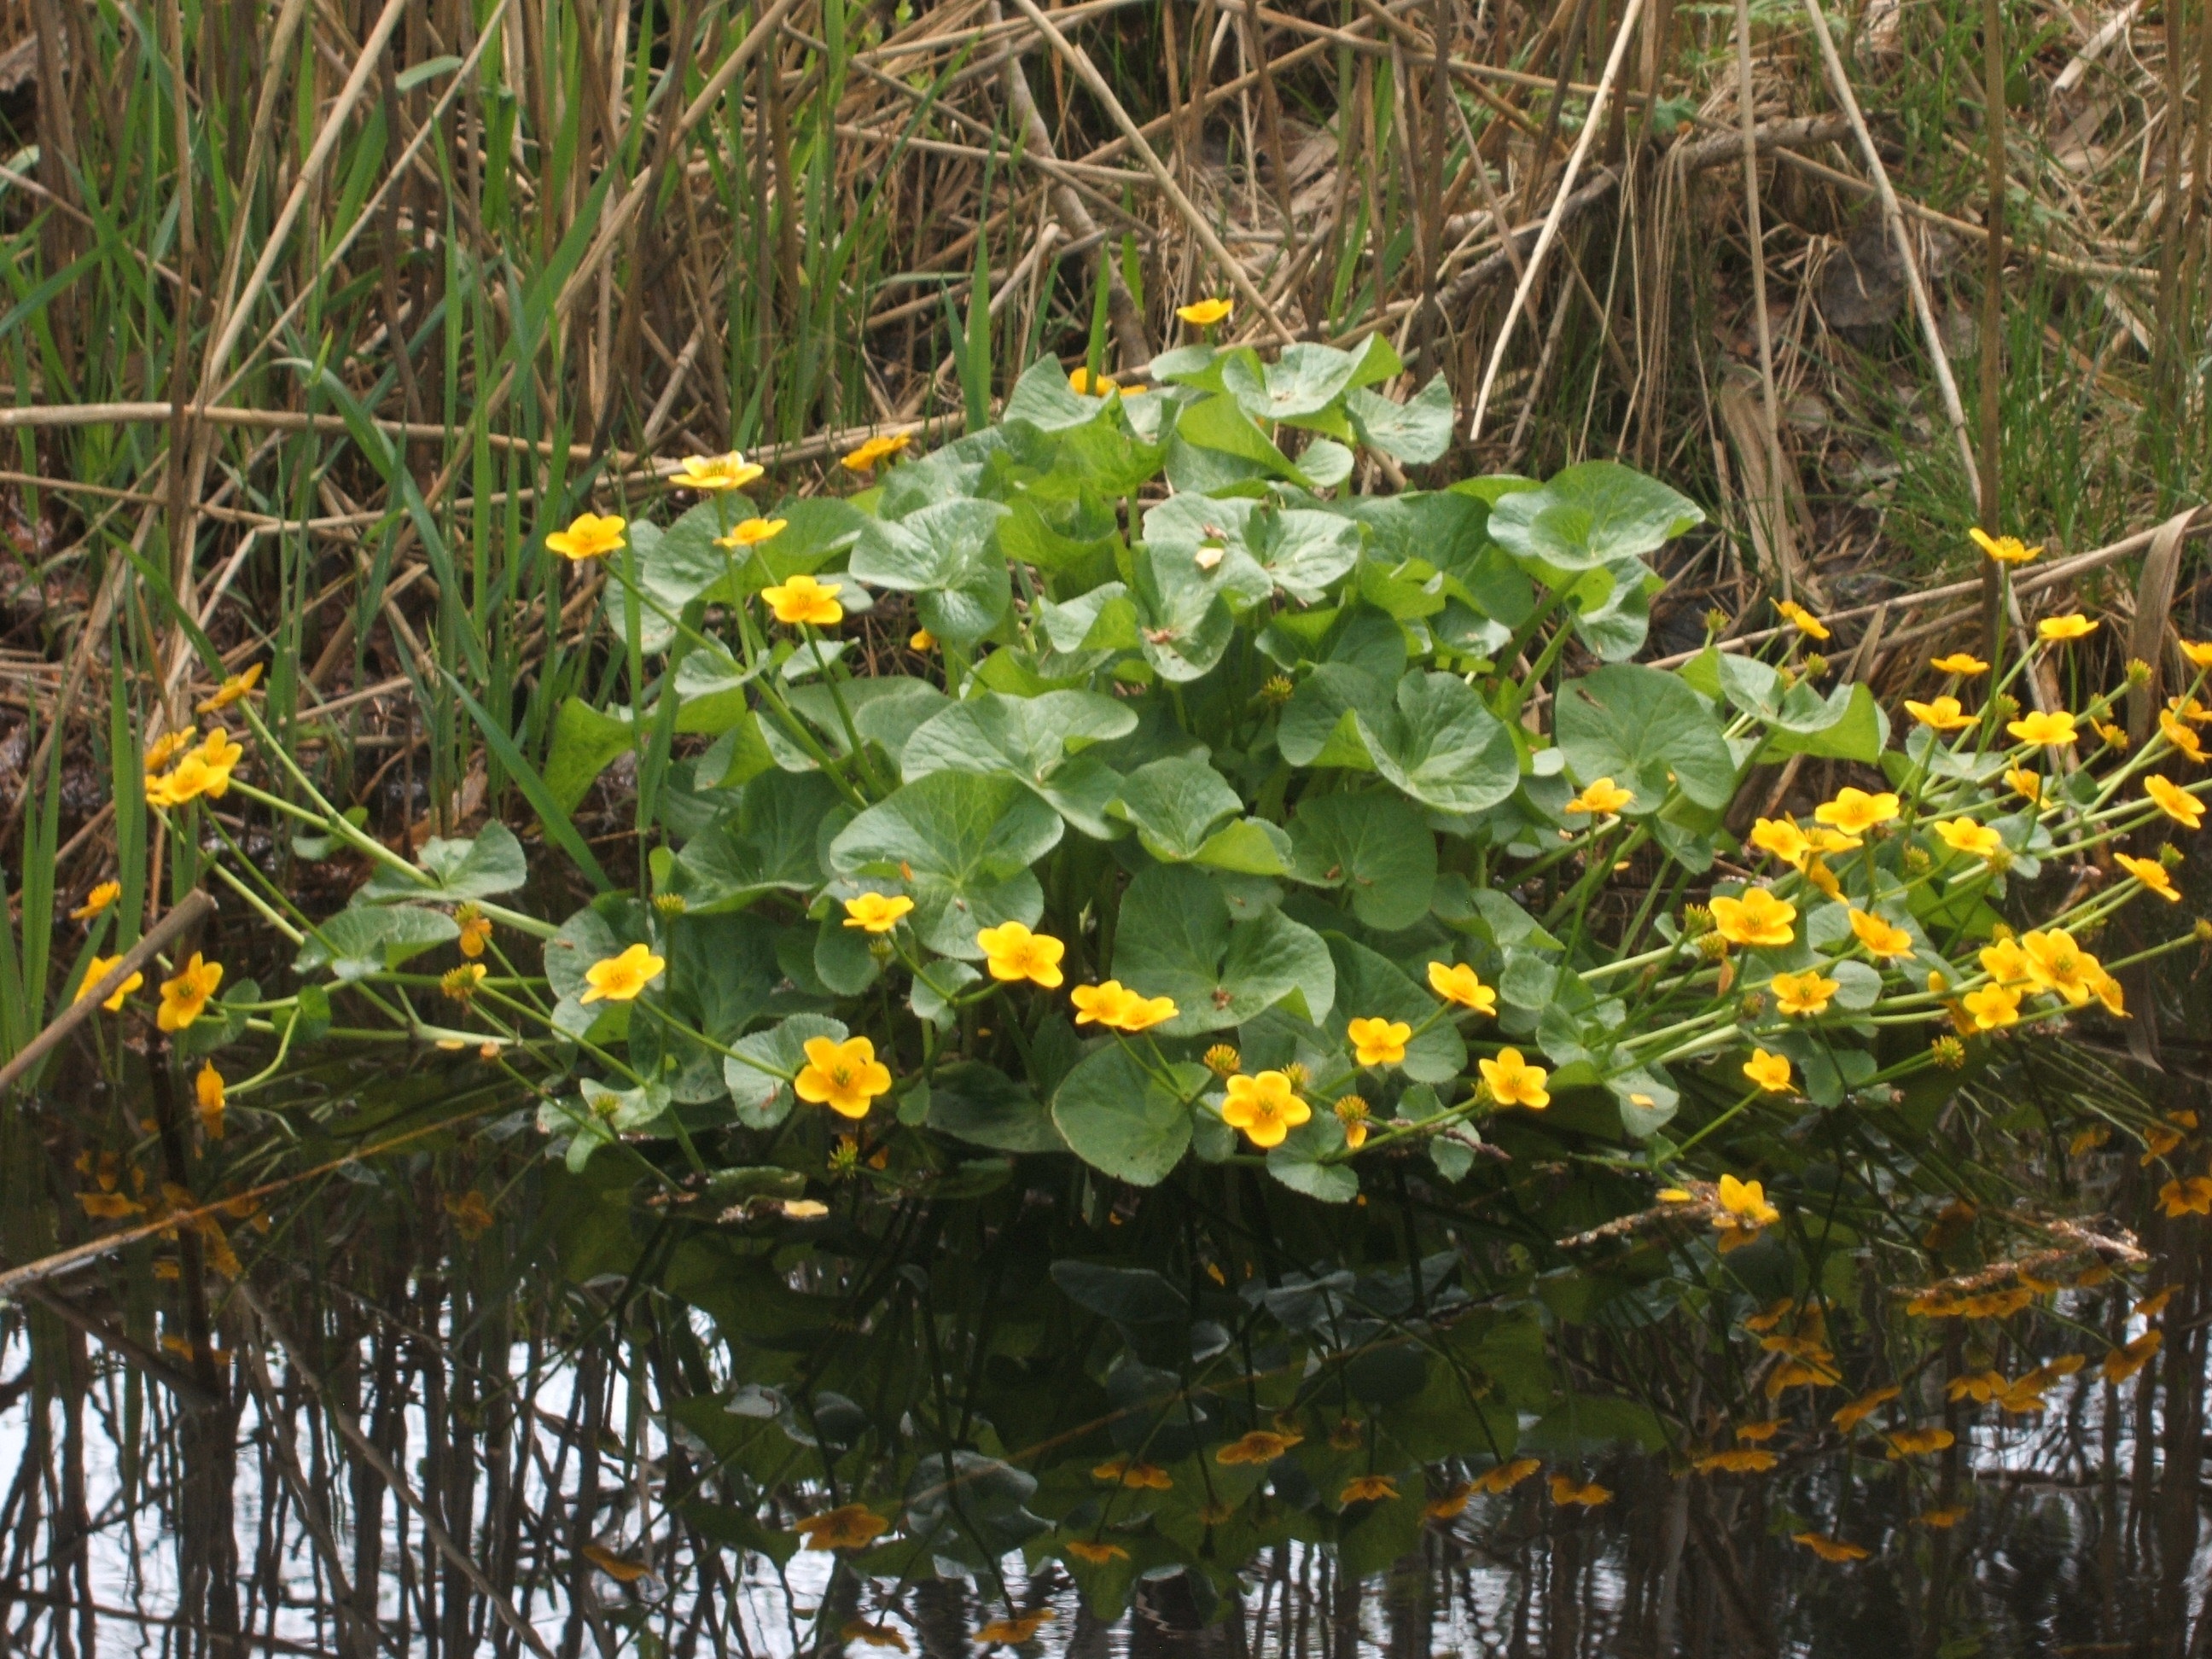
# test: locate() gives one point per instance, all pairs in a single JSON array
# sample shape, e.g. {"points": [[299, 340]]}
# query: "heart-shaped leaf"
{"points": [[1029, 739], [490, 862], [963, 846], [1648, 732], [1591, 514], [766, 844], [1120, 1118], [1174, 938], [1374, 846], [947, 556], [1441, 746]]}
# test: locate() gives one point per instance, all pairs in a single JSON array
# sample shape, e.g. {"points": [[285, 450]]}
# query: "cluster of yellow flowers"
{"points": [[203, 766], [185, 995]]}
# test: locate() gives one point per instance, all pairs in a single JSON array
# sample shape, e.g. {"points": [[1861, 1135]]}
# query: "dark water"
{"points": [[563, 1420]]}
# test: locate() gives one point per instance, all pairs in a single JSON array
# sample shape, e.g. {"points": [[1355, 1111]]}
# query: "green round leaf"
{"points": [[968, 842], [1119, 1119]]}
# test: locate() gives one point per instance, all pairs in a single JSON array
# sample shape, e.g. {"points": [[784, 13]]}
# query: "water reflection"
{"points": [[610, 1428]]}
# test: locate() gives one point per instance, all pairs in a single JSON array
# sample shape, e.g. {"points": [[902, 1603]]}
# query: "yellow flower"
{"points": [[2003, 962], [2115, 736], [2174, 801], [751, 532], [1919, 1443], [1802, 619], [1506, 1476], [96, 969], [2056, 963], [1959, 662], [237, 686], [1783, 839], [1829, 1549], [97, 900], [1854, 812], [842, 1076], [2123, 1363], [1258, 1447], [1567, 1490], [1456, 983], [712, 474], [1603, 796], [2199, 653], [1881, 939], [849, 1526], [2052, 630], [587, 537], [1095, 1553], [1743, 1206], [921, 640], [460, 984], [1513, 1081], [472, 1215], [1756, 919], [2192, 1196], [1944, 1519], [476, 930], [1736, 1460], [208, 1093], [2025, 784], [169, 744], [2152, 874], [1808, 993], [1450, 1505], [1013, 1633], [1114, 1005], [804, 600], [184, 996], [1353, 1112], [1367, 1488], [2182, 736], [1980, 1387], [1768, 1071], [2056, 728], [1083, 381], [1264, 1107], [619, 979], [1991, 1007], [1204, 313], [2005, 549], [1010, 952], [1135, 1474], [876, 450], [2190, 709], [1944, 714], [873, 1636], [1378, 1041], [1849, 1417], [877, 913], [1964, 836]]}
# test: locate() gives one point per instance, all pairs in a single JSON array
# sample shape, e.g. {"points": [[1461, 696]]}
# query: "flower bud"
{"points": [[1712, 947], [1697, 920], [1949, 1053], [2138, 671], [2168, 855], [1916, 860], [1815, 666], [1222, 1059], [1754, 1005], [1716, 621], [669, 904], [1276, 689]]}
